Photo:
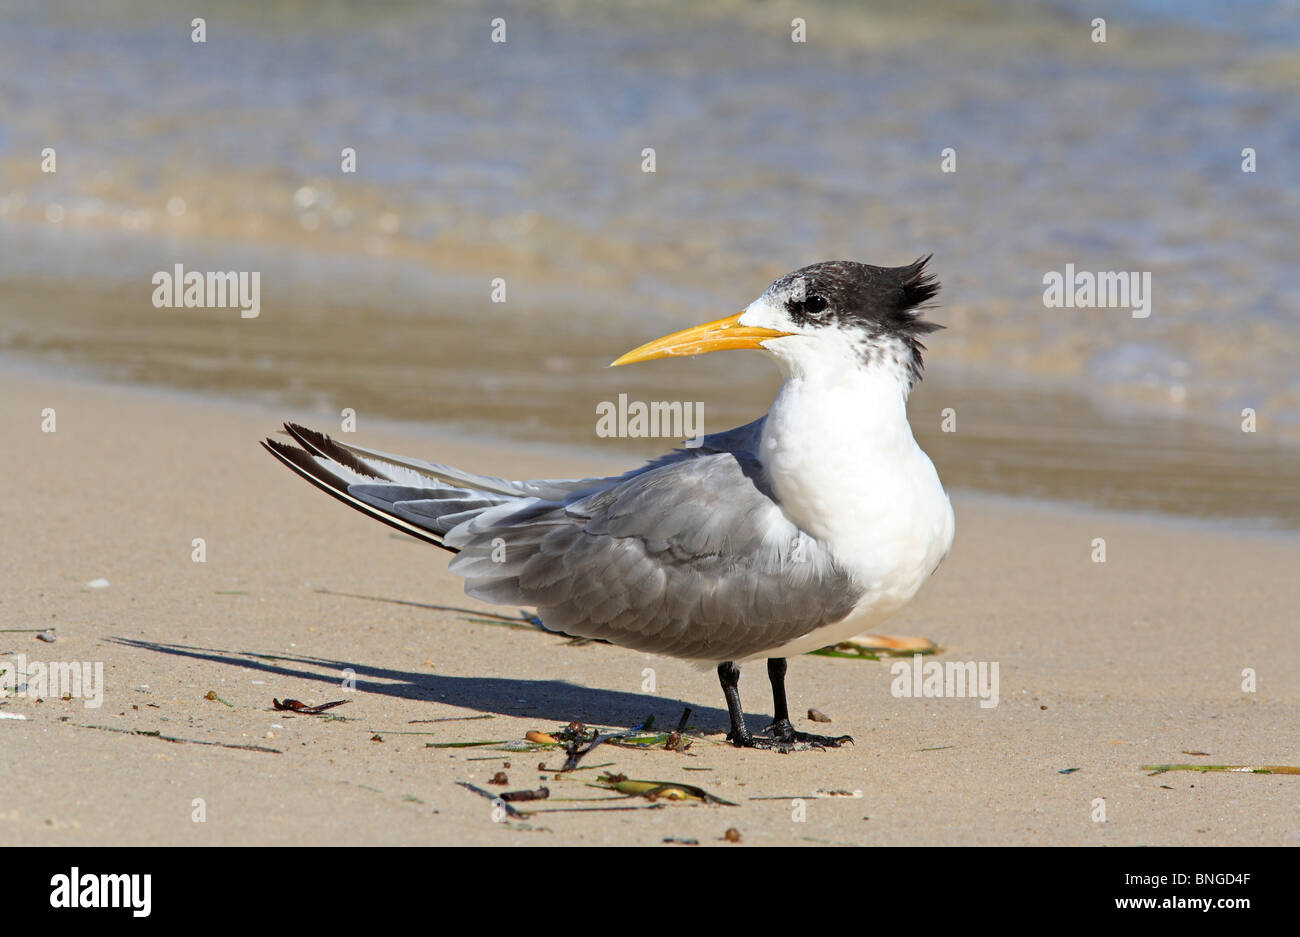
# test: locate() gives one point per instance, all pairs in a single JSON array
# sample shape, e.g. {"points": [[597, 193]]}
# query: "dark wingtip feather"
{"points": [[305, 465], [320, 444], [302, 462]]}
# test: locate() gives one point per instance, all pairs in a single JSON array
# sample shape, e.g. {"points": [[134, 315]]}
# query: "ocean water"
{"points": [[523, 161]]}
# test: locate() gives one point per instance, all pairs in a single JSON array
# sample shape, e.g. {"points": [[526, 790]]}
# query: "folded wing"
{"points": [[689, 556]]}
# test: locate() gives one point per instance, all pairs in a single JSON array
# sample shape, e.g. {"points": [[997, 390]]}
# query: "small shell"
{"points": [[890, 642]]}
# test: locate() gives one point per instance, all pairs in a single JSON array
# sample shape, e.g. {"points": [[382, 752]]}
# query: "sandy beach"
{"points": [[1104, 667]]}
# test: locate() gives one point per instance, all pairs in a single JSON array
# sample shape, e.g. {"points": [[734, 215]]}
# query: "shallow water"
{"points": [[523, 161]]}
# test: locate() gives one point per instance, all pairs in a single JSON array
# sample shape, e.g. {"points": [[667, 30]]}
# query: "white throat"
{"points": [[835, 430]]}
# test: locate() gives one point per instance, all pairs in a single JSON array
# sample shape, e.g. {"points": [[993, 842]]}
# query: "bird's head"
{"points": [[833, 313]]}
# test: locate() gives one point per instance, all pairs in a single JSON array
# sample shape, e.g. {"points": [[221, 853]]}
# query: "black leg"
{"points": [[729, 677], [783, 736], [776, 674]]}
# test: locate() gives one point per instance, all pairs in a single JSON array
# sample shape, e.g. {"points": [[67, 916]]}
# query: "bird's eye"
{"points": [[812, 305]]}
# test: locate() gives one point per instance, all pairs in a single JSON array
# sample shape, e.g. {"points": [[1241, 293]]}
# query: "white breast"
{"points": [[846, 469]]}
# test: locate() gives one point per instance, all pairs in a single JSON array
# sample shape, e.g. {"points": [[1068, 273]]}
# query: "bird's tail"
{"points": [[422, 499]]}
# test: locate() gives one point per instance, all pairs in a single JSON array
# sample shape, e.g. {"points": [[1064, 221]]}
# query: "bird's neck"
{"points": [[837, 439], [845, 402]]}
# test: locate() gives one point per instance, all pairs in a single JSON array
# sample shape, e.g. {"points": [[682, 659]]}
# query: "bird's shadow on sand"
{"points": [[551, 700]]}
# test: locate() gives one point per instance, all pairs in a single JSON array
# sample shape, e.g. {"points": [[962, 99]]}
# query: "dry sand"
{"points": [[1103, 667]]}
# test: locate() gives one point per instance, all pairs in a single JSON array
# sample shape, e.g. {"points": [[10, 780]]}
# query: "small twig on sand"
{"points": [[179, 741], [495, 798]]}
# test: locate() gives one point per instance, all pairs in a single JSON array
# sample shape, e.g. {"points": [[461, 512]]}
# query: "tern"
{"points": [[794, 532]]}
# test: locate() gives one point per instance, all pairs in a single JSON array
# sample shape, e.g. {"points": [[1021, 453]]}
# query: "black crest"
{"points": [[880, 302]]}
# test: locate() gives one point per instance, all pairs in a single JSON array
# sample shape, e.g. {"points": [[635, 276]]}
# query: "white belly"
{"points": [[892, 567]]}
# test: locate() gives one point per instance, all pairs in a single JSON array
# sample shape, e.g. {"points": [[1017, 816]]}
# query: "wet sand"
{"points": [[1103, 667], [513, 372]]}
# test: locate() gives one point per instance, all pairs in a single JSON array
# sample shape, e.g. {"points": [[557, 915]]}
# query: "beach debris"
{"points": [[48, 636], [640, 737], [675, 741], [816, 715], [1186, 752], [678, 841], [176, 739], [578, 743], [657, 790], [732, 835], [496, 799], [212, 695], [819, 794], [559, 774], [1068, 770], [579, 740], [475, 744], [499, 779], [97, 584], [376, 737], [542, 793], [293, 705], [875, 646], [12, 716], [1235, 769]]}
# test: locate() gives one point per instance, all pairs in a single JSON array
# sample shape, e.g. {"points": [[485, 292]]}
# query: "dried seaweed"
{"points": [[657, 790], [293, 705], [1235, 769]]}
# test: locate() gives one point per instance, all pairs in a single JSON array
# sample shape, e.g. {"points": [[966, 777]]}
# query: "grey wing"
{"points": [[688, 556], [692, 558]]}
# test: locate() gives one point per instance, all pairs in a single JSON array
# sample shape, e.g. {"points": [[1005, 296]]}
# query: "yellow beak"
{"points": [[711, 336]]}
